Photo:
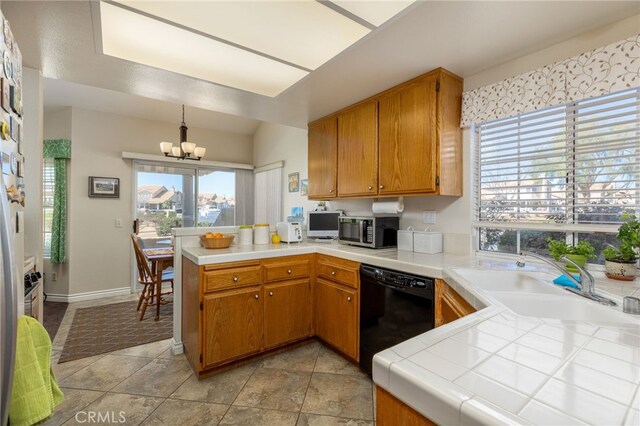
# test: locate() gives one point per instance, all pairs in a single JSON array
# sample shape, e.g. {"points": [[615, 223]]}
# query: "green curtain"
{"points": [[60, 151]]}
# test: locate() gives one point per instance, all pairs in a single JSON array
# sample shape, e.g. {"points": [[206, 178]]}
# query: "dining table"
{"points": [[159, 259]]}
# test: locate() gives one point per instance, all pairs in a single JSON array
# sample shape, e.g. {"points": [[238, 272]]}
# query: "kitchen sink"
{"points": [[511, 281], [563, 307]]}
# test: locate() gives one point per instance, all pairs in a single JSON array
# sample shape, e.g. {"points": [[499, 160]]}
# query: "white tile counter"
{"points": [[494, 366]]}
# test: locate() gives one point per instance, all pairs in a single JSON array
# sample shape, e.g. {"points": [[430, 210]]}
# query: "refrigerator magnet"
{"points": [[6, 59], [4, 130], [14, 163], [6, 164], [6, 94]]}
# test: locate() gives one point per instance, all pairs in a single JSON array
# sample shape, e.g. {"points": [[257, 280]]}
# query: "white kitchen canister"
{"points": [[261, 233], [245, 235]]}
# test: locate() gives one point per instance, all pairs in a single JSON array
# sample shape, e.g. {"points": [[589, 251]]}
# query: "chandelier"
{"points": [[186, 150]]}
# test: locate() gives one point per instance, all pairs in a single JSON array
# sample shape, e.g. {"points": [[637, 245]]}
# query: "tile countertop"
{"points": [[494, 366]]}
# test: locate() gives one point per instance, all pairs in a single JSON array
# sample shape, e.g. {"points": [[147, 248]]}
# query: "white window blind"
{"points": [[268, 196], [48, 183], [571, 168]]}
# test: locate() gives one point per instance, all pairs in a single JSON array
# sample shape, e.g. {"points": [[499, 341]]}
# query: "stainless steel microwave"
{"points": [[372, 232]]}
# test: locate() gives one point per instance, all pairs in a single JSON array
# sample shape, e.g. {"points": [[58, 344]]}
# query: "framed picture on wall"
{"points": [[304, 187], [104, 187], [294, 182]]}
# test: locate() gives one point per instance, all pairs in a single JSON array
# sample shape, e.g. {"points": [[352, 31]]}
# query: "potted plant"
{"points": [[620, 263], [579, 253]]}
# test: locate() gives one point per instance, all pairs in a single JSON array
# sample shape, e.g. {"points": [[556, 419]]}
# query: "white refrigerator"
{"points": [[11, 212], [9, 295]]}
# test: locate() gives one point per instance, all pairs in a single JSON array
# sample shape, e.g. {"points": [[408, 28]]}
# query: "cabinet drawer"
{"points": [[229, 278], [286, 270], [342, 273]]}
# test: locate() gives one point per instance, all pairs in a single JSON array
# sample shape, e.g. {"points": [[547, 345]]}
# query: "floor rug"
{"points": [[108, 328], [53, 312]]}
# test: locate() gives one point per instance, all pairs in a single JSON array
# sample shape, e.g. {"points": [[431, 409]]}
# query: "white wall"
{"points": [[275, 142], [32, 89], [99, 254]]}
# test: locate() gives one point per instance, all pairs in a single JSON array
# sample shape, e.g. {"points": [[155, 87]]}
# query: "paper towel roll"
{"points": [[392, 206]]}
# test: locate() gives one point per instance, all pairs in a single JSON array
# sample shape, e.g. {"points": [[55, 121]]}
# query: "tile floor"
{"points": [[308, 385]]}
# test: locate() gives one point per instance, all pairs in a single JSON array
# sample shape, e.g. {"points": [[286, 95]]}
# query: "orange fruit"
{"points": [[218, 235], [208, 235]]}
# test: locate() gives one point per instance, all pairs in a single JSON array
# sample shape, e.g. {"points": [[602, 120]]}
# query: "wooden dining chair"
{"points": [[146, 278]]}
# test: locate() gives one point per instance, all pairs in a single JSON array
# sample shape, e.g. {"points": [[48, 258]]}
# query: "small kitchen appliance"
{"points": [[290, 232], [372, 232]]}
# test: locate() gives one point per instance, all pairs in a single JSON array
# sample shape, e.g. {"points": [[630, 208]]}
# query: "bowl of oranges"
{"points": [[216, 241]]}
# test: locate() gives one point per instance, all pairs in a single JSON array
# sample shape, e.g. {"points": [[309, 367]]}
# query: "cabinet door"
{"points": [[449, 305], [408, 139], [323, 158], [287, 312], [358, 151], [337, 316], [232, 324]]}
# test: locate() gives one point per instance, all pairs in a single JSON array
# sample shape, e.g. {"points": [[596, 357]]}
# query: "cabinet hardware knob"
{"points": [[235, 279], [257, 296], [333, 273], [331, 191], [349, 298], [381, 186], [370, 187], [270, 293], [289, 271]]}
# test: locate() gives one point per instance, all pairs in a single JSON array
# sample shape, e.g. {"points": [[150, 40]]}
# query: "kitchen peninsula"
{"points": [[480, 368]]}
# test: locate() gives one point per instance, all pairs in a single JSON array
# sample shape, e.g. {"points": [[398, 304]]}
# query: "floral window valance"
{"points": [[595, 73]]}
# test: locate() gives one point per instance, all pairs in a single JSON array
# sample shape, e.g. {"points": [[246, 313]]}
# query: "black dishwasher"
{"points": [[394, 307]]}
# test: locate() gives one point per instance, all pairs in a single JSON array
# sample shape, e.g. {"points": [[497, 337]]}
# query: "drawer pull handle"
{"points": [[235, 279], [257, 296], [349, 298], [381, 186], [270, 293], [370, 187], [289, 271], [331, 191], [333, 273]]}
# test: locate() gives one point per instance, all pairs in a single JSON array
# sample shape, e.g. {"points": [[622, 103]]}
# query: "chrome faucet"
{"points": [[586, 284]]}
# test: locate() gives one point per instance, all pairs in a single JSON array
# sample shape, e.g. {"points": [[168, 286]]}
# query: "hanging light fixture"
{"points": [[186, 150]]}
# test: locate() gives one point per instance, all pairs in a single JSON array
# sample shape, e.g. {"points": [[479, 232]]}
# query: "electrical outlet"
{"points": [[118, 223], [54, 276], [429, 217]]}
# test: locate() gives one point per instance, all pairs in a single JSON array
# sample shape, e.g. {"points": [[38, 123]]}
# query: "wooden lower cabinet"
{"points": [[337, 314], [390, 411], [231, 325], [287, 312], [449, 305]]}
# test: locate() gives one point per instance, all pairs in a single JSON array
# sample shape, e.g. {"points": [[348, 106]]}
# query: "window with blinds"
{"points": [[569, 171], [48, 181]]}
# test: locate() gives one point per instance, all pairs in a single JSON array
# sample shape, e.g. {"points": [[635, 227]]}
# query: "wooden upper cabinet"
{"points": [[358, 150], [323, 158], [407, 141]]}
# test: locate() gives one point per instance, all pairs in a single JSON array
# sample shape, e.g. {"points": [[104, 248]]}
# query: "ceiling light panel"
{"points": [[302, 32], [134, 37], [375, 12]]}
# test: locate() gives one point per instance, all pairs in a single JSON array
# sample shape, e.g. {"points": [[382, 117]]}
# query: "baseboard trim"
{"points": [[90, 295], [176, 347]]}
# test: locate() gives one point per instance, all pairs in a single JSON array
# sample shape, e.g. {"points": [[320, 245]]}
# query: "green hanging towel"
{"points": [[35, 392], [60, 151]]}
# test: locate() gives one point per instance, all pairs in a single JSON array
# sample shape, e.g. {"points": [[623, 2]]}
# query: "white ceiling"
{"points": [[462, 36]]}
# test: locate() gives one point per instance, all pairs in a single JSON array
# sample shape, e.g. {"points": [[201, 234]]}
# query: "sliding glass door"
{"points": [[164, 199]]}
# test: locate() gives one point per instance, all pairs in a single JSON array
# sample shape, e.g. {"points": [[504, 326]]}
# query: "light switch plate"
{"points": [[118, 223], [429, 217]]}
